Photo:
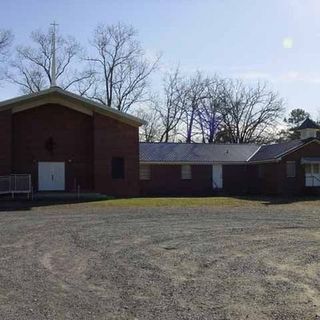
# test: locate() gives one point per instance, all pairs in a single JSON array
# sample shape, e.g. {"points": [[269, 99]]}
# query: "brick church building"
{"points": [[64, 142]]}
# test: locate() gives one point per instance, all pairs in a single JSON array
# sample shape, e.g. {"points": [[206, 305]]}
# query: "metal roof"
{"points": [[275, 151], [308, 124], [216, 153], [195, 152]]}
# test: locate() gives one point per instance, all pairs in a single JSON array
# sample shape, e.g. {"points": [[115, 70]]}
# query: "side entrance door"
{"points": [[217, 182], [51, 176]]}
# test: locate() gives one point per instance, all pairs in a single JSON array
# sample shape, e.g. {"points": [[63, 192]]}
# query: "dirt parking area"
{"points": [[91, 261]]}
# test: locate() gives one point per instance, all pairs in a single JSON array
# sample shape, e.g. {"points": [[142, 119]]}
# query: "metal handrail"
{"points": [[16, 183], [313, 178]]}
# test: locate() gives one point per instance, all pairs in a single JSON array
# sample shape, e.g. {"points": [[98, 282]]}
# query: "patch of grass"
{"points": [[214, 201], [180, 202]]}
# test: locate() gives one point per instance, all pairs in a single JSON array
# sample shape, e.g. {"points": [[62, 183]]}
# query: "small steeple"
{"points": [[308, 129], [53, 48]]}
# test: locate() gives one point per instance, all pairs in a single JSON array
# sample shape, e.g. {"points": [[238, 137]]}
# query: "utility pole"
{"points": [[53, 48]]}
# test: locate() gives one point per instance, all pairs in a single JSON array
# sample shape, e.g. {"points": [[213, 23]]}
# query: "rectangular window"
{"points": [[186, 173], [313, 168], [145, 172], [117, 168], [291, 169]]}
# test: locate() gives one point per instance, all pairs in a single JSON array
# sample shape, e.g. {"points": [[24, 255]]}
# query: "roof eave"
{"points": [[95, 106], [192, 162]]}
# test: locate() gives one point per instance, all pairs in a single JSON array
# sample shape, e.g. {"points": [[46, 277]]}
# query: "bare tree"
{"points": [[208, 118], [6, 39], [121, 68], [194, 93], [171, 107], [249, 114], [150, 131], [31, 67]]}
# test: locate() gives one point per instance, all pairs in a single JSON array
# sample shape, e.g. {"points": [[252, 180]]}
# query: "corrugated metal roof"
{"points": [[195, 152], [221, 153], [274, 151]]}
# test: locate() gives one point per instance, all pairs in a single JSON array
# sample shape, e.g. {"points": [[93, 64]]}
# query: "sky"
{"points": [[277, 41]]}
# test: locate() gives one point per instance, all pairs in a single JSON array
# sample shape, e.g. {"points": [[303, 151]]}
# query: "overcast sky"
{"points": [[273, 40]]}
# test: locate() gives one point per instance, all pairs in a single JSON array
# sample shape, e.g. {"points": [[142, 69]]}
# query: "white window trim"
{"points": [[289, 174]]}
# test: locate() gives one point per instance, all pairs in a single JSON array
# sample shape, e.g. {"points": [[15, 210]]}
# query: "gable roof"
{"points": [[308, 124], [58, 95], [195, 152], [274, 151]]}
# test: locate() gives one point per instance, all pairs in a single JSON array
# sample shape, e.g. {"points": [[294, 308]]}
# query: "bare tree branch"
{"points": [[6, 38], [150, 131], [121, 69], [31, 66], [249, 114], [170, 107]]}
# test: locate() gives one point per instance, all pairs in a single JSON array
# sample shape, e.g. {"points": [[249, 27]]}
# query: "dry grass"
{"points": [[218, 201], [179, 202]]}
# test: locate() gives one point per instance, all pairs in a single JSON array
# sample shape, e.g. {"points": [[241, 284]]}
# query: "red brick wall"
{"points": [[5, 142], [166, 180], [267, 183], [113, 138], [71, 132], [297, 185], [274, 179], [235, 179]]}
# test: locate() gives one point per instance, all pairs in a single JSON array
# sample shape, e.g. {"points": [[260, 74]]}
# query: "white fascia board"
{"points": [[92, 105]]}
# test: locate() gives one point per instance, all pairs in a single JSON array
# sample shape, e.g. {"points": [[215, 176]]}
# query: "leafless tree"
{"points": [[6, 39], [208, 118], [249, 114], [150, 131], [171, 106], [121, 68], [194, 93], [31, 67]]}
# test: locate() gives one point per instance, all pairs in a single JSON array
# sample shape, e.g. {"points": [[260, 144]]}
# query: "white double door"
{"points": [[51, 176]]}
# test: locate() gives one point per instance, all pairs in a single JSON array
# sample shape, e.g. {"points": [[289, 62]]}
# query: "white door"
{"points": [[217, 182], [51, 176]]}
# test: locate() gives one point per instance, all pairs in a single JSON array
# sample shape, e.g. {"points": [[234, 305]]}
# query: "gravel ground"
{"points": [[86, 261]]}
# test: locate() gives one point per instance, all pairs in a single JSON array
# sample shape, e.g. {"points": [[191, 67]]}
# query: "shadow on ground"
{"points": [[277, 200], [21, 203], [42, 200]]}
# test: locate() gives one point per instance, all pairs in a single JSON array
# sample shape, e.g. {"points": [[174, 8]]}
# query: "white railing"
{"points": [[16, 183], [312, 181]]}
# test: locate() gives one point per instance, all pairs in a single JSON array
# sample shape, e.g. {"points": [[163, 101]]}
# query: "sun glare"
{"points": [[287, 43]]}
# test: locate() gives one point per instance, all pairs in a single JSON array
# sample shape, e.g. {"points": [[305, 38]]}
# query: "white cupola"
{"points": [[308, 129]]}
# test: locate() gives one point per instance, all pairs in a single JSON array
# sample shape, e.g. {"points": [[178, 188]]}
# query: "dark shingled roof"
{"points": [[195, 152], [308, 124], [274, 151]]}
